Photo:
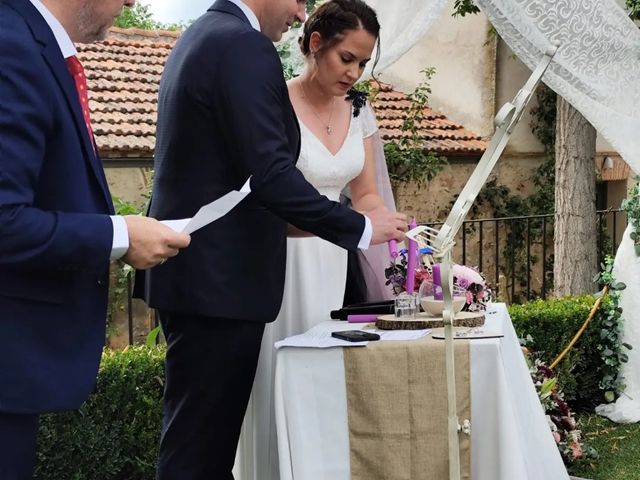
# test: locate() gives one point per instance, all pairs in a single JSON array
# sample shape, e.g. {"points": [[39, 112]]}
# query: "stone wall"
{"points": [[432, 202]]}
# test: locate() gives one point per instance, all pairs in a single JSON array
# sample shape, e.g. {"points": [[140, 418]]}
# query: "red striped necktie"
{"points": [[77, 73]]}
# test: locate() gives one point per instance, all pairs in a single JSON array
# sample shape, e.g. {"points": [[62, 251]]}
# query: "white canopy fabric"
{"points": [[402, 23], [597, 66]]}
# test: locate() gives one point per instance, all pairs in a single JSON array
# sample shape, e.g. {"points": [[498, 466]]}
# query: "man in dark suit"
{"points": [[224, 114], [57, 228]]}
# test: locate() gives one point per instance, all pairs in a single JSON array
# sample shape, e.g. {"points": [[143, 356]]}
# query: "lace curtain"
{"points": [[597, 67]]}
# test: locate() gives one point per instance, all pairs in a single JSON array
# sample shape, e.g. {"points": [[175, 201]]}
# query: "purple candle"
{"points": [[411, 261], [362, 318], [393, 249], [437, 282]]}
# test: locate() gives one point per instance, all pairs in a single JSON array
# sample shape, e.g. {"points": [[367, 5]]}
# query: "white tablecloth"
{"points": [[510, 437]]}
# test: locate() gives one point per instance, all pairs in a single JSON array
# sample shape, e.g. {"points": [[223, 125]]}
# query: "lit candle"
{"points": [[411, 261], [437, 282]]}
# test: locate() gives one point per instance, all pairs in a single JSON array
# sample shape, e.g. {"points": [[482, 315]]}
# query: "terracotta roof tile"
{"points": [[123, 74], [439, 134]]}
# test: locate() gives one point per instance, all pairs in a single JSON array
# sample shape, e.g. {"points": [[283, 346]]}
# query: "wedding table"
{"points": [[510, 436]]}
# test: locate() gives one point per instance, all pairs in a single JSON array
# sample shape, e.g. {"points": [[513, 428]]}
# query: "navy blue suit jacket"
{"points": [[224, 114], [55, 232]]}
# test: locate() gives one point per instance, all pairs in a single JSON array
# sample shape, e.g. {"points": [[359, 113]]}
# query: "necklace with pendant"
{"points": [[327, 125]]}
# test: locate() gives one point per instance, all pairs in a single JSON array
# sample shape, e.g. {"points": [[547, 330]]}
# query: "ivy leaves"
{"points": [[631, 206], [611, 347]]}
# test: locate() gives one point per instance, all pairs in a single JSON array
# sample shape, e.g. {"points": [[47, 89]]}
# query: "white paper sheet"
{"points": [[320, 336], [316, 338], [211, 212]]}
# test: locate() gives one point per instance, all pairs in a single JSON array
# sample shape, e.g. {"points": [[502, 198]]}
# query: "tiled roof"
{"points": [[123, 74], [440, 134]]}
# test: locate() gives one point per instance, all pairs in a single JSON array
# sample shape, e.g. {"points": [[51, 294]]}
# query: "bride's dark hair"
{"points": [[333, 18]]}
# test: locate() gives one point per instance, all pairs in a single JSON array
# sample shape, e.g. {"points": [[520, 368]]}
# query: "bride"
{"points": [[337, 129]]}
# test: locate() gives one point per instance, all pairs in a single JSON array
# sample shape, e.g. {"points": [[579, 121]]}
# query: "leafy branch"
{"points": [[407, 158], [464, 7]]}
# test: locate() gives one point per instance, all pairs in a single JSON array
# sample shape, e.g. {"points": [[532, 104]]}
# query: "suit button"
{"points": [[101, 283]]}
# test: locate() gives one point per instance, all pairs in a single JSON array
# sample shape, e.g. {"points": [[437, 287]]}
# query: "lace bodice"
{"points": [[331, 173]]}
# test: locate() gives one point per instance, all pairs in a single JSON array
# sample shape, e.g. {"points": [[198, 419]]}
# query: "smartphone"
{"points": [[356, 336]]}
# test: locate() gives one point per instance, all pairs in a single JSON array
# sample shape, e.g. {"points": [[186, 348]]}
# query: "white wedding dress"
{"points": [[315, 281], [626, 269]]}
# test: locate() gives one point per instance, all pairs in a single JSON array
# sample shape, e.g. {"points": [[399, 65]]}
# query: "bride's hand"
{"points": [[386, 225]]}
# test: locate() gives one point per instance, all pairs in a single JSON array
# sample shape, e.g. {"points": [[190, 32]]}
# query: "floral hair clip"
{"points": [[358, 99]]}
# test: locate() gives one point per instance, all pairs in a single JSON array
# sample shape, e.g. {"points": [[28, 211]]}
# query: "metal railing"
{"points": [[515, 254]]}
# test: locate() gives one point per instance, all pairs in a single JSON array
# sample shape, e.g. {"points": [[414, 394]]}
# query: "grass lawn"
{"points": [[618, 447]]}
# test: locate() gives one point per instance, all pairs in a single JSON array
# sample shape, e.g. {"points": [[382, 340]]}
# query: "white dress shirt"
{"points": [[365, 240], [120, 243]]}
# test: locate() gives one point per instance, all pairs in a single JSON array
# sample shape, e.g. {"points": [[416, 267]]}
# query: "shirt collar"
{"points": [[67, 47], [253, 20]]}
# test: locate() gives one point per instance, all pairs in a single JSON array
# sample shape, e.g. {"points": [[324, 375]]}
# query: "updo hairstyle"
{"points": [[333, 18]]}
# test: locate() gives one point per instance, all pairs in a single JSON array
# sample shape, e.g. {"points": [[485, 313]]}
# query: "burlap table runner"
{"points": [[397, 409]]}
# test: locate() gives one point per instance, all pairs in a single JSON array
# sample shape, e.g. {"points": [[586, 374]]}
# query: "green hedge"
{"points": [[114, 436], [552, 324]]}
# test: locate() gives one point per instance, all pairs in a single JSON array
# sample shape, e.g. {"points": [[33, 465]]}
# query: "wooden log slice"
{"points": [[424, 320]]}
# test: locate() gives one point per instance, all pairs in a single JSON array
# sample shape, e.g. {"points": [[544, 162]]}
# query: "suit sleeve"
{"points": [[253, 95], [32, 237]]}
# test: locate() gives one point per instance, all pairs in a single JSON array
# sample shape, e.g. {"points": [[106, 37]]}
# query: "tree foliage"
{"points": [[464, 7], [633, 7], [140, 16]]}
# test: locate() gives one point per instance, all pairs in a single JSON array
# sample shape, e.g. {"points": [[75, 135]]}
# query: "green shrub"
{"points": [[551, 325], [114, 435]]}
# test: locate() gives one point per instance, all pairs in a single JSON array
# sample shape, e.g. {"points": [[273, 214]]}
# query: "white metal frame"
{"points": [[442, 241]]}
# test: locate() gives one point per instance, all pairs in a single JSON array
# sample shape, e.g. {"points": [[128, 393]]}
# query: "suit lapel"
{"points": [[53, 57], [51, 54]]}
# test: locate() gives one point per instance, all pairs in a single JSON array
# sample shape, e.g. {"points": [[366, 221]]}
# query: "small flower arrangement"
{"points": [[560, 417], [396, 273], [467, 281], [474, 284]]}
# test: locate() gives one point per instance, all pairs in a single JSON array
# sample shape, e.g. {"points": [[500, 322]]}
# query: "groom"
{"points": [[224, 115]]}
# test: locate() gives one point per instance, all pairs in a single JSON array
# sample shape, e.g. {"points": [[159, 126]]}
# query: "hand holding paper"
{"points": [[151, 242], [211, 212]]}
